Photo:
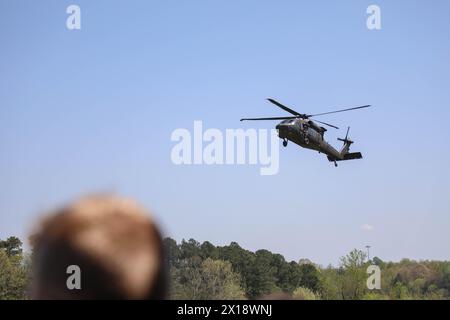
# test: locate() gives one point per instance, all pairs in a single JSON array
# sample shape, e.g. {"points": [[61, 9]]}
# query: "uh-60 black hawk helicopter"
{"points": [[308, 134]]}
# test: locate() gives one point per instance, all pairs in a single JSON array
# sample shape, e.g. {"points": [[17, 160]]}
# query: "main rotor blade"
{"points": [[319, 114], [295, 113], [327, 124], [271, 118]]}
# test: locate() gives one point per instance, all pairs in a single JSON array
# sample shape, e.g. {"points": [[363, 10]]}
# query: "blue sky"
{"points": [[93, 110]]}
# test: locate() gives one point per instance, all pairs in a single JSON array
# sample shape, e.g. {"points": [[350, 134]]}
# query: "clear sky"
{"points": [[93, 110]]}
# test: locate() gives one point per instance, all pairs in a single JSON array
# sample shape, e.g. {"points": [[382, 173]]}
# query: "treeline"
{"points": [[205, 271], [199, 271]]}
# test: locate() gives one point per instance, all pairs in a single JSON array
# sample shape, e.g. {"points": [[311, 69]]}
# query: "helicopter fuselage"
{"points": [[307, 134]]}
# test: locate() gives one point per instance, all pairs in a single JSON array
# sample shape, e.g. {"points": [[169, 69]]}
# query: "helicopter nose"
{"points": [[282, 126]]}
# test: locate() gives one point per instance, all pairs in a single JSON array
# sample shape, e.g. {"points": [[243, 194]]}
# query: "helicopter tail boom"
{"points": [[347, 156]]}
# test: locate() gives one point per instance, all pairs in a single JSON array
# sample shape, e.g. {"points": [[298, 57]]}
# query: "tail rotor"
{"points": [[346, 140], [344, 154]]}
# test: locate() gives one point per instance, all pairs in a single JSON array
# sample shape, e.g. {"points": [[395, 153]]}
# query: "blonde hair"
{"points": [[114, 242]]}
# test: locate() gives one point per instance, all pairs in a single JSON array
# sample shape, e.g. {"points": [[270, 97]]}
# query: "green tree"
{"points": [[220, 282], [207, 280], [189, 249], [187, 279], [352, 276], [377, 261], [265, 275], [14, 272], [288, 276], [12, 246], [329, 286], [208, 250], [243, 262], [172, 251], [310, 277]]}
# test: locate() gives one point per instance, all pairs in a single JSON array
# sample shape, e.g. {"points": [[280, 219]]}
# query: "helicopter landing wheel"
{"points": [[285, 142], [335, 164]]}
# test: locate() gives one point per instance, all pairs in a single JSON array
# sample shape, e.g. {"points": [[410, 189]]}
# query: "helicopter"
{"points": [[301, 130]]}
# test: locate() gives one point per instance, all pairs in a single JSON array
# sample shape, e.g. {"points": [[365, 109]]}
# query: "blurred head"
{"points": [[115, 244]]}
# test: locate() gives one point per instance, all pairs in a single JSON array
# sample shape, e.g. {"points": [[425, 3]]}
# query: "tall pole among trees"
{"points": [[368, 253]]}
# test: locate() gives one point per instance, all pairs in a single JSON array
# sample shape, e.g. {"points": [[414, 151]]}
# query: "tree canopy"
{"points": [[263, 273]]}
